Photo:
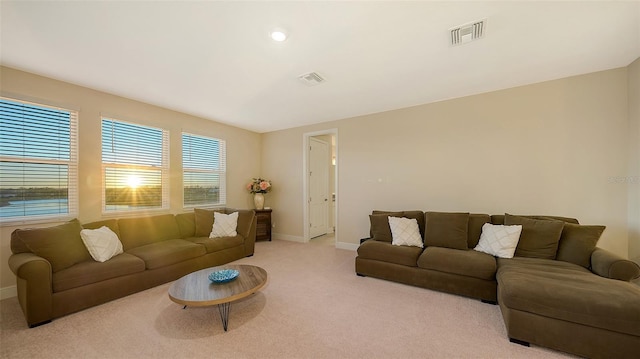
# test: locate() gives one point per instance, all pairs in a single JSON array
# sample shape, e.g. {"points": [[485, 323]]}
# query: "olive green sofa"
{"points": [[56, 275], [558, 291]]}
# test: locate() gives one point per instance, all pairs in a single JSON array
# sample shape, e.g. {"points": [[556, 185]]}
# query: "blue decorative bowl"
{"points": [[223, 276]]}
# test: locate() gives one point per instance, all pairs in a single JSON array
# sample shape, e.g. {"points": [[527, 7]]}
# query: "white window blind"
{"points": [[38, 162], [204, 170], [135, 166]]}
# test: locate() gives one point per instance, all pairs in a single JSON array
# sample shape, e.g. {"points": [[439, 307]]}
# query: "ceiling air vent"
{"points": [[468, 32], [311, 79]]}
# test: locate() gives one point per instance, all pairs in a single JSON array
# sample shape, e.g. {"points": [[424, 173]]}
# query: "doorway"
{"points": [[320, 185]]}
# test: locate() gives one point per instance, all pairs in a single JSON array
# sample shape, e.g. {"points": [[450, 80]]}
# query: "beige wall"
{"points": [[550, 148], [242, 145], [634, 159]]}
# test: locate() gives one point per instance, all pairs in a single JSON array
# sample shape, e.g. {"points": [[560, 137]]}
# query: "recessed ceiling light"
{"points": [[278, 35]]}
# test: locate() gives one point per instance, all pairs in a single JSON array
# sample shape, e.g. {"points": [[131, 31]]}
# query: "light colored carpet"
{"points": [[313, 306]]}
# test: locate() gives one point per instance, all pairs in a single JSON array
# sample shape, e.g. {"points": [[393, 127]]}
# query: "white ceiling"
{"points": [[216, 60]]}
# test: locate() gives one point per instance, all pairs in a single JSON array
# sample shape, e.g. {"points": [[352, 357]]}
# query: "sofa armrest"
{"points": [[247, 223], [609, 265], [35, 288], [250, 240]]}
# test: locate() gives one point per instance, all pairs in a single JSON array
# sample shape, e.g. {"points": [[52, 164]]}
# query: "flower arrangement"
{"points": [[259, 185]]}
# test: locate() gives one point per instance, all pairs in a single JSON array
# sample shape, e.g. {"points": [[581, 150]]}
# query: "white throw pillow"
{"points": [[224, 225], [498, 240], [102, 243], [405, 232]]}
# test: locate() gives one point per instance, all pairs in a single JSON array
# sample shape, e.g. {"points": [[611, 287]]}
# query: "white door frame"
{"points": [[305, 180]]}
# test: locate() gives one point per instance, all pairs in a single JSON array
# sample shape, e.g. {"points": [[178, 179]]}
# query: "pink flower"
{"points": [[259, 185]]}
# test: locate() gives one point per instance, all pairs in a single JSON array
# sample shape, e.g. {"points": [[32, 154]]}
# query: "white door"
{"points": [[318, 187]]}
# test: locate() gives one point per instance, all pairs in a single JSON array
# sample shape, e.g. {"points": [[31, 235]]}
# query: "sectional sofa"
{"points": [[558, 290], [56, 275]]}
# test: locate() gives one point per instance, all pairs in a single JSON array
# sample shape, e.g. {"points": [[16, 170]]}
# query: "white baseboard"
{"points": [[8, 292], [347, 246], [286, 237]]}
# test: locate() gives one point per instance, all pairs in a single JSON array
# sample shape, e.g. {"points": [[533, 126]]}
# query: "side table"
{"points": [[263, 228]]}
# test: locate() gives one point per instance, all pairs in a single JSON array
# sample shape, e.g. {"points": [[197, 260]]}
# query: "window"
{"points": [[38, 162], [204, 170], [135, 167]]}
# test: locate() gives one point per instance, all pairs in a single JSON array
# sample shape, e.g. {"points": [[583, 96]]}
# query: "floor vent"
{"points": [[469, 32], [311, 79]]}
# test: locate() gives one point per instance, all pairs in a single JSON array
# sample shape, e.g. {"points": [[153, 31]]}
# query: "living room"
{"points": [[562, 139]]}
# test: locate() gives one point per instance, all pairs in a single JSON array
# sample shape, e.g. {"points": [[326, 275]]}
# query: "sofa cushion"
{"points": [[556, 218], [111, 223], [90, 271], [456, 261], [419, 217], [186, 224], [499, 240], [499, 218], [539, 237], [200, 222], [167, 252], [569, 292], [17, 245], [405, 232], [204, 221], [386, 252], [136, 232], [102, 243], [224, 225], [218, 244], [60, 245], [380, 228], [476, 221], [577, 242], [449, 230]]}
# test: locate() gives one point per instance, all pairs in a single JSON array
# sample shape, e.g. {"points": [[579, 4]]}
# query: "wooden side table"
{"points": [[263, 228]]}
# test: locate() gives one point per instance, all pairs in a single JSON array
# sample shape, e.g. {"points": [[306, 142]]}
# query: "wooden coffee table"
{"points": [[196, 290]]}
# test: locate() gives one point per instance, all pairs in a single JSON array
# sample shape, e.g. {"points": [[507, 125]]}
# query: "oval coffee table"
{"points": [[196, 290]]}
